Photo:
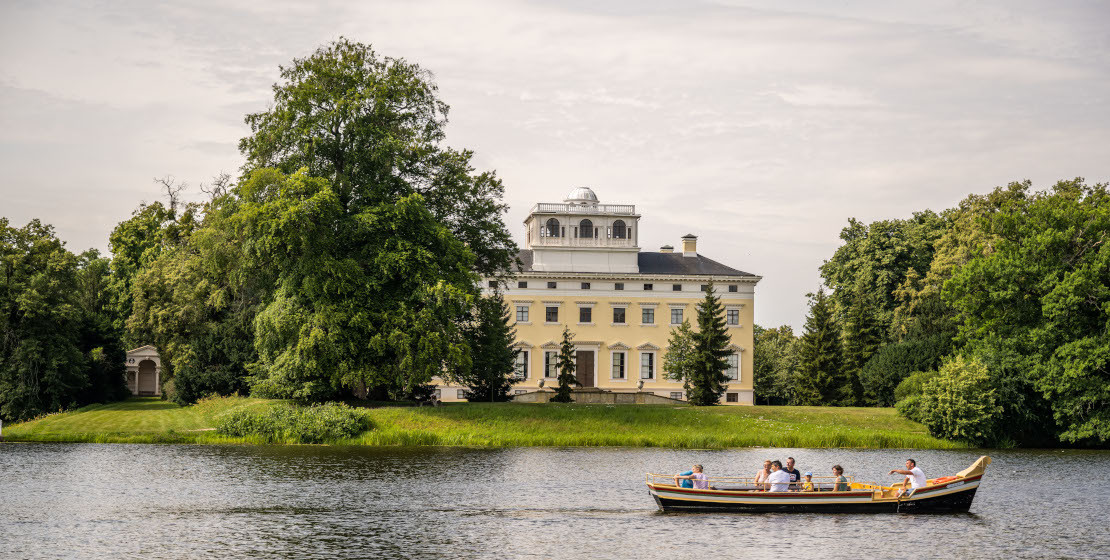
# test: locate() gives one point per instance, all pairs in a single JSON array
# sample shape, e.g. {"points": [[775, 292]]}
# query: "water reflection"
{"points": [[62, 500]]}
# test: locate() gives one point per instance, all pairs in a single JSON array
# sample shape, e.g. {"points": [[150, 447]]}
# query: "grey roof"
{"points": [[665, 263]]}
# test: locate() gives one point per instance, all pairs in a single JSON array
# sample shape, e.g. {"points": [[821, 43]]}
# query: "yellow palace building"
{"points": [[583, 269]]}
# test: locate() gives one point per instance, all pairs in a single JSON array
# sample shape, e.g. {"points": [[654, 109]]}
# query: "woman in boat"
{"points": [[841, 482], [761, 476]]}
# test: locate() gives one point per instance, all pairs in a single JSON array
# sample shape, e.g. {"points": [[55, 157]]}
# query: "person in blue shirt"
{"points": [[685, 482]]}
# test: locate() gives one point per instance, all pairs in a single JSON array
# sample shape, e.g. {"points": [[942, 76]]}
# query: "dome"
{"points": [[581, 195]]}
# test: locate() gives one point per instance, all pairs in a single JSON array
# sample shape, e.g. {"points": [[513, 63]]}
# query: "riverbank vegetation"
{"points": [[988, 322], [485, 425]]}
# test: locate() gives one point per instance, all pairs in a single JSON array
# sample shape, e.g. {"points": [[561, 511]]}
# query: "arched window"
{"points": [[553, 228], [618, 230], [585, 228]]}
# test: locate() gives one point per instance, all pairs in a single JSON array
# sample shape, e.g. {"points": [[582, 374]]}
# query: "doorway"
{"points": [[584, 368]]}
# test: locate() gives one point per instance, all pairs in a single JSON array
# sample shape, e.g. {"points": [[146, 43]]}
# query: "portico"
{"points": [[144, 371]]}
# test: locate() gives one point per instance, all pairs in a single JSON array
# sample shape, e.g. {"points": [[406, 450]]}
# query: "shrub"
{"points": [[288, 423], [910, 407], [959, 402], [914, 384]]}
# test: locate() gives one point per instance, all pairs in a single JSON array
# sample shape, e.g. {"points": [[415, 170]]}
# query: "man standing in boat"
{"points": [[914, 476]]}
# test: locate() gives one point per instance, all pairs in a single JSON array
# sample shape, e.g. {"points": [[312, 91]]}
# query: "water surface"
{"points": [[173, 501]]}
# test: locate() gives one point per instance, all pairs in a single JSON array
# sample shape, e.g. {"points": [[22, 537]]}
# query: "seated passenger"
{"points": [[685, 481], [779, 479], [701, 482], [915, 477], [761, 476], [841, 481], [807, 485]]}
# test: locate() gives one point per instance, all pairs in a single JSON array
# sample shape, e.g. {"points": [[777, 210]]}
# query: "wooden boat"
{"points": [[950, 494]]}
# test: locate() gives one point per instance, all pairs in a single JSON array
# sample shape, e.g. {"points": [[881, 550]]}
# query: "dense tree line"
{"points": [[988, 322]]}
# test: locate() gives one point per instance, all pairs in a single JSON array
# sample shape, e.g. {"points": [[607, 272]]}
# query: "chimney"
{"points": [[689, 245], [666, 249]]}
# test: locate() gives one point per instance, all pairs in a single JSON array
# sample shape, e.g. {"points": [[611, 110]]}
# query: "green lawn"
{"points": [[511, 425]]}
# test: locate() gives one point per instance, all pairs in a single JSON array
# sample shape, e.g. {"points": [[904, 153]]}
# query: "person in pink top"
{"points": [[701, 482]]}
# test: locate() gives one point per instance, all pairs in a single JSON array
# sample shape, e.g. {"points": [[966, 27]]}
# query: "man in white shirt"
{"points": [[779, 479], [915, 477]]}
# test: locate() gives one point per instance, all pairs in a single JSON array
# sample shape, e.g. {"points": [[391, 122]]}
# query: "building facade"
{"points": [[144, 371], [583, 269]]}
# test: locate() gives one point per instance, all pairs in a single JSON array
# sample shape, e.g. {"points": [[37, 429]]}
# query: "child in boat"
{"points": [[841, 481], [701, 482], [807, 485]]}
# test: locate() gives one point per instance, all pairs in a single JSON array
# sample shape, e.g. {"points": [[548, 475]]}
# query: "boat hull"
{"points": [[951, 498]]}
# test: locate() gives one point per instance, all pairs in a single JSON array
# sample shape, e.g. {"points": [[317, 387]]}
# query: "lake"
{"points": [[174, 501]]}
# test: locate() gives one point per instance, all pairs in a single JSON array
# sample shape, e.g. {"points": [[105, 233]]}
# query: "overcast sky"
{"points": [[759, 128]]}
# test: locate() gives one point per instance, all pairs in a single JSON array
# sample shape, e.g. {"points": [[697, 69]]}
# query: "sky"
{"points": [[760, 127]]}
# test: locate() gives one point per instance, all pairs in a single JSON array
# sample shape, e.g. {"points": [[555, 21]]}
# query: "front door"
{"points": [[584, 369]]}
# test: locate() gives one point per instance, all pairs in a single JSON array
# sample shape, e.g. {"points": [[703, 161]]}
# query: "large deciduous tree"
{"points": [[373, 127], [1035, 305]]}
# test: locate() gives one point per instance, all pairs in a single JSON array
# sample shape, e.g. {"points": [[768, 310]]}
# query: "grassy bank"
{"points": [[511, 425]]}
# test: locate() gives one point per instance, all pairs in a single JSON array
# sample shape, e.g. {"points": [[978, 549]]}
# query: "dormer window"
{"points": [[585, 229]]}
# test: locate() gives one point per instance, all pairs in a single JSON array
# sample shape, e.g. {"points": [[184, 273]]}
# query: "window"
{"points": [[521, 368], [552, 315], [552, 228], [732, 316], [732, 397], [647, 365], [647, 316], [676, 395], [648, 287], [618, 286], [676, 287], [522, 313], [733, 370], [618, 315], [732, 287], [619, 231], [585, 285], [522, 284], [549, 361], [585, 315], [552, 285], [704, 288], [618, 365], [676, 316], [493, 283], [460, 393], [585, 229]]}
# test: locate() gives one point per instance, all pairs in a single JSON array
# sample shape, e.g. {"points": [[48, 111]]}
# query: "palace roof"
{"points": [[663, 263]]}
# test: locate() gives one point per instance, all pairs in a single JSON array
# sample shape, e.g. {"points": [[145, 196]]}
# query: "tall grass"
{"points": [[495, 425]]}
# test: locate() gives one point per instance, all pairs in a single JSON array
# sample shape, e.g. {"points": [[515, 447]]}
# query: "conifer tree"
{"points": [[821, 378], [491, 339], [862, 338], [565, 366], [708, 379]]}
